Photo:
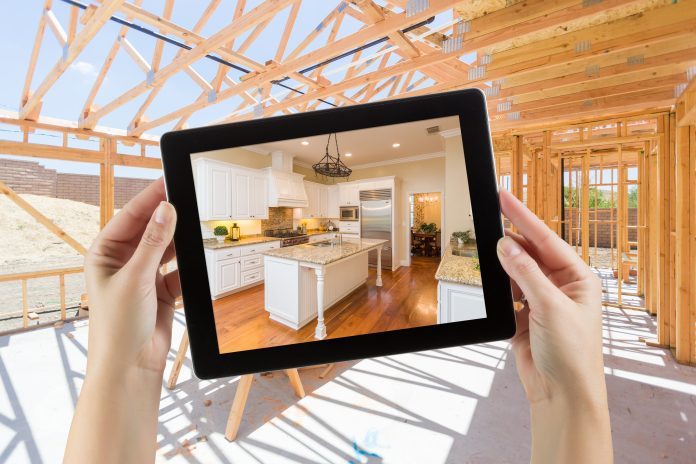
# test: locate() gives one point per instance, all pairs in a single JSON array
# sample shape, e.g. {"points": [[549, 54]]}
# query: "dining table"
{"points": [[427, 239]]}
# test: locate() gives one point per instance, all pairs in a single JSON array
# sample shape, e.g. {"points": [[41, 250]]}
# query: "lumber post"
{"points": [[662, 309], [61, 283], [620, 226], [673, 230], [518, 167], [585, 211], [106, 183], [683, 253]]}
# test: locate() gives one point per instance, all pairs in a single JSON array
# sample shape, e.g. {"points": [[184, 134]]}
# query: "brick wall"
{"points": [[603, 230], [32, 177], [28, 177]]}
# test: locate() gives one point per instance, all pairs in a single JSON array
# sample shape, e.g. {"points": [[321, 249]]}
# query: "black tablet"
{"points": [[338, 234]]}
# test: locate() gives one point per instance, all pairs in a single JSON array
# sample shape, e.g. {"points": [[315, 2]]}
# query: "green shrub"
{"points": [[220, 231]]}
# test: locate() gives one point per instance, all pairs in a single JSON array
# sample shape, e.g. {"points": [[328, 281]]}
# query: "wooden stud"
{"points": [[585, 205], [61, 284], [25, 305], [683, 253]]}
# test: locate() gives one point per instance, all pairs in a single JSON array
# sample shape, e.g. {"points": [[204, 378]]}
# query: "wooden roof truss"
{"points": [[538, 62]]}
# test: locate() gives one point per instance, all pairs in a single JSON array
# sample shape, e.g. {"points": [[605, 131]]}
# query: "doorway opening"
{"points": [[425, 225]]}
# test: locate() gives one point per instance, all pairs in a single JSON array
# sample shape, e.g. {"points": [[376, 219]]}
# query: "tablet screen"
{"points": [[342, 234]]}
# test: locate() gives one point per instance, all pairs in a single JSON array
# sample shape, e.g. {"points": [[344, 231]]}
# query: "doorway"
{"points": [[425, 226], [600, 216]]}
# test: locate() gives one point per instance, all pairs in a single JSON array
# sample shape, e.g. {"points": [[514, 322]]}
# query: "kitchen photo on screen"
{"points": [[342, 234]]}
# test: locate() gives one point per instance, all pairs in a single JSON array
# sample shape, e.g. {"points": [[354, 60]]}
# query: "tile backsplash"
{"points": [[278, 218]]}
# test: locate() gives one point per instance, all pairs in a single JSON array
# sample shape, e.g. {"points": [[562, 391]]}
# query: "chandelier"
{"points": [[332, 166]]}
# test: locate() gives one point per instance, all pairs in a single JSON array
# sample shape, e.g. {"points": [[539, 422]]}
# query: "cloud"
{"points": [[84, 68]]}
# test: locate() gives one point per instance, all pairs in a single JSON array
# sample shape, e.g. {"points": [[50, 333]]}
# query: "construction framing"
{"points": [[575, 89]]}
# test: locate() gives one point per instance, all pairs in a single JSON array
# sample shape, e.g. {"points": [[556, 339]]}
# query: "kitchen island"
{"points": [[302, 281], [459, 290]]}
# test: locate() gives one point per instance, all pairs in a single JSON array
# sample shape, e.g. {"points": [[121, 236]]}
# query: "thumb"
{"points": [[525, 271], [155, 240]]}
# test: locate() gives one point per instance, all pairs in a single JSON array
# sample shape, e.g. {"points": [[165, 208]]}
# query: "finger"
{"points": [[549, 248], [530, 249], [169, 254], [154, 241], [173, 284], [522, 268], [129, 223]]}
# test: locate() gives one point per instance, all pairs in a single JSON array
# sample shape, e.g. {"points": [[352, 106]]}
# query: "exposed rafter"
{"points": [[532, 58]]}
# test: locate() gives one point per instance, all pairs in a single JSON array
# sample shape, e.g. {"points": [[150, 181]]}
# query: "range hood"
{"points": [[285, 188]]}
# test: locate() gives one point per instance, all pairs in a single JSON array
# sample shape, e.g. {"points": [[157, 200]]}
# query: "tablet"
{"points": [[338, 234]]}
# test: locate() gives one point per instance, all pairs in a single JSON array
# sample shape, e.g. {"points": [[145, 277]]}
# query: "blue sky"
{"points": [[65, 100]]}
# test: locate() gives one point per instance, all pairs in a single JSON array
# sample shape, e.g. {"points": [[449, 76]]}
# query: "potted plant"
{"points": [[462, 237], [220, 233], [426, 228]]}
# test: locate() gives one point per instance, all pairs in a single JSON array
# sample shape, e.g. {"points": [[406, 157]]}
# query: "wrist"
{"points": [[571, 429]]}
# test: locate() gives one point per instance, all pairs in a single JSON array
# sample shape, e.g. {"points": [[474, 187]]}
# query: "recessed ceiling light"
{"points": [[304, 142], [396, 145], [349, 154]]}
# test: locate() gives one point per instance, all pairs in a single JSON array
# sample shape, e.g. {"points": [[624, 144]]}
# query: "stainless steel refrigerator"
{"points": [[376, 222]]}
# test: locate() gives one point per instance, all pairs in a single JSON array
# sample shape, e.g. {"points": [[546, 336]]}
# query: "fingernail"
{"points": [[508, 247], [162, 213]]}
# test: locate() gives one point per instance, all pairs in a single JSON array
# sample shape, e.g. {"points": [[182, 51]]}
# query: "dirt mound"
{"points": [[26, 245]]}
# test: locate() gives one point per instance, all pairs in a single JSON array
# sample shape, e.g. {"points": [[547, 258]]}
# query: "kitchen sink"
{"points": [[465, 252], [321, 244]]}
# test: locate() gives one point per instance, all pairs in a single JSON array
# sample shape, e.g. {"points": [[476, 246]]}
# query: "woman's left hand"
{"points": [[131, 307]]}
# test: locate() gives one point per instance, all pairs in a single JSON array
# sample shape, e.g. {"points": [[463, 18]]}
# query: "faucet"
{"points": [[339, 235]]}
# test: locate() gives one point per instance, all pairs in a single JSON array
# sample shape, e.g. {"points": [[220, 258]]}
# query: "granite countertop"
{"points": [[325, 255], [213, 244], [458, 269]]}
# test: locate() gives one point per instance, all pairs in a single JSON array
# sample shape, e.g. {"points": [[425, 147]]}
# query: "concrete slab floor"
{"points": [[456, 405]]}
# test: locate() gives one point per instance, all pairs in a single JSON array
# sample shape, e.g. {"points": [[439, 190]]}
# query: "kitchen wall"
{"points": [[457, 201], [247, 227]]}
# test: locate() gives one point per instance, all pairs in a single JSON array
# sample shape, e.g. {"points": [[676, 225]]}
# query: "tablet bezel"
{"points": [[469, 105]]}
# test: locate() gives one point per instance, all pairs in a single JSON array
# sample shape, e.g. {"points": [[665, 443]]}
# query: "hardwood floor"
{"points": [[407, 298]]}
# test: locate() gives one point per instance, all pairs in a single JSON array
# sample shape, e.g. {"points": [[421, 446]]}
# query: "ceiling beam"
{"points": [[258, 15], [100, 15], [365, 35]]}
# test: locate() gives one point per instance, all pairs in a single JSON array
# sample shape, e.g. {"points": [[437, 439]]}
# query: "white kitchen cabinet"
{"points": [[234, 268], [459, 302], [227, 274], [349, 194], [213, 189], [332, 206], [259, 198], [250, 199], [241, 207]]}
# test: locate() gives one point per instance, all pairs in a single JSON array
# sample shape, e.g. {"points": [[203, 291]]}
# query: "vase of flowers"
{"points": [[220, 233]]}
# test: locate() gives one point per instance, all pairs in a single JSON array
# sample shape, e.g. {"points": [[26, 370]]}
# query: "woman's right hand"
{"points": [[558, 343]]}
